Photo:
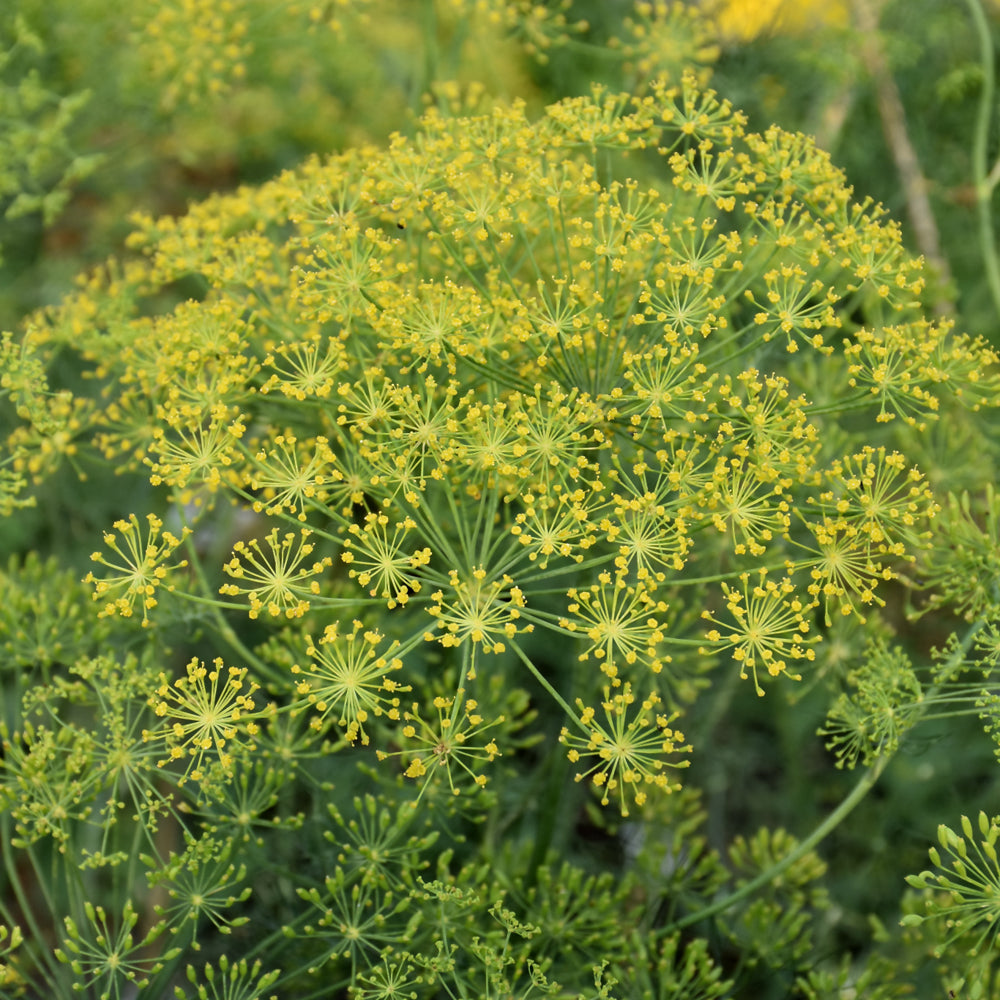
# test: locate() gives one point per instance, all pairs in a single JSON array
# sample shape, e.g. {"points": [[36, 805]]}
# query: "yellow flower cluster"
{"points": [[275, 581], [194, 49], [626, 754], [346, 676], [140, 567], [627, 384], [453, 742], [538, 26], [744, 20], [663, 37], [208, 715]]}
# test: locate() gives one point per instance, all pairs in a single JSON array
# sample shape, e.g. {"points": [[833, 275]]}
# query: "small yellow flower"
{"points": [[275, 580], [769, 627], [626, 754], [622, 623], [141, 568], [452, 742], [291, 475], [208, 716], [474, 607], [378, 560], [348, 677]]}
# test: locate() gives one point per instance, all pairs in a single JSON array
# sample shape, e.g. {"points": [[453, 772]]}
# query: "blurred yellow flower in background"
{"points": [[744, 20]]}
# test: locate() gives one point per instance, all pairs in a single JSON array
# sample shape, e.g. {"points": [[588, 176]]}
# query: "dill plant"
{"points": [[458, 477], [171, 101]]}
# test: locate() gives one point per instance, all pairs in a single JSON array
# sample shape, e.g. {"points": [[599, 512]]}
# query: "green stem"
{"points": [[431, 56], [591, 48], [224, 628], [560, 700], [983, 182], [45, 961], [861, 789]]}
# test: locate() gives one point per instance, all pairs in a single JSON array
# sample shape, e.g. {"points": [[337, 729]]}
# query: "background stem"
{"points": [[982, 182], [861, 789]]}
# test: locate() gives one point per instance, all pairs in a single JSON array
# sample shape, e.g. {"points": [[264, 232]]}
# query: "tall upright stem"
{"points": [[983, 181], [861, 789], [904, 155]]}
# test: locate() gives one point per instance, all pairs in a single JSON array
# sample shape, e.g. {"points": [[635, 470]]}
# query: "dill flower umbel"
{"points": [[106, 950], [379, 561], [769, 627], [286, 481], [962, 890], [348, 677], [208, 717], [275, 580], [141, 570], [519, 412], [451, 742], [620, 623], [475, 608], [628, 750], [501, 388]]}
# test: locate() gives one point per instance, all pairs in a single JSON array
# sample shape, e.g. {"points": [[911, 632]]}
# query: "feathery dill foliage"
{"points": [[38, 164], [536, 430]]}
